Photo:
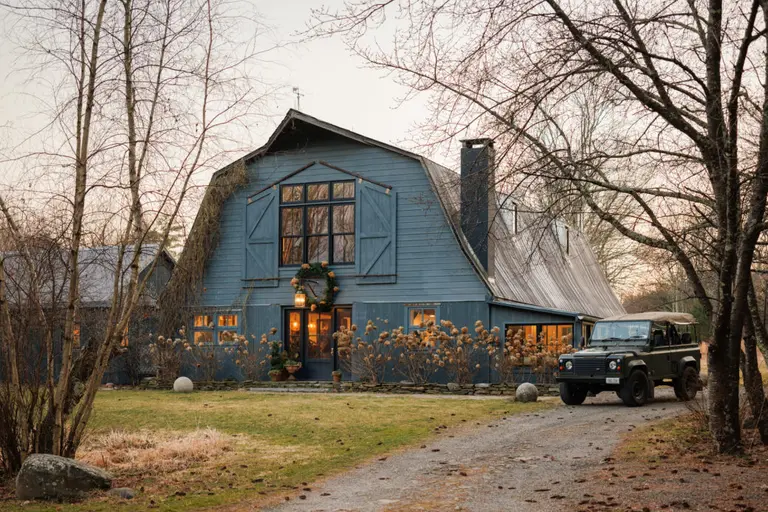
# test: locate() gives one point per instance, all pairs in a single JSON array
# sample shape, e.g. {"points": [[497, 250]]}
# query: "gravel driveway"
{"points": [[528, 462]]}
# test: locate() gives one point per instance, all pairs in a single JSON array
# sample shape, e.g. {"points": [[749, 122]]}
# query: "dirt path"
{"points": [[522, 463]]}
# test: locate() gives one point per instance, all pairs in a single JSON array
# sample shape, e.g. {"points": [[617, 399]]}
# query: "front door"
{"points": [[310, 340]]}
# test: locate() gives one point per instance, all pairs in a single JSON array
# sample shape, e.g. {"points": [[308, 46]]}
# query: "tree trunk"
{"points": [[753, 381], [761, 333], [723, 392]]}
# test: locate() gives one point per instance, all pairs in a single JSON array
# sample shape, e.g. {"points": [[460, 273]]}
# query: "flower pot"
{"points": [[291, 370], [278, 377], [336, 378]]}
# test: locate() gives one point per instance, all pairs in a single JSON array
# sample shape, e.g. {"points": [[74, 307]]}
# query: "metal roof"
{"points": [[97, 266], [530, 265], [656, 316]]}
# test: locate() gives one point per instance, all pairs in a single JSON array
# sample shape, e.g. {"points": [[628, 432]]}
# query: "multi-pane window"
{"points": [[223, 328], [317, 223], [545, 336]]}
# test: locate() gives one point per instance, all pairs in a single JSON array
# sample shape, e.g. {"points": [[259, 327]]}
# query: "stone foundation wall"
{"points": [[360, 387]]}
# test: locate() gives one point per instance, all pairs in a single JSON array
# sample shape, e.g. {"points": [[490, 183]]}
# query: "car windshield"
{"points": [[610, 332]]}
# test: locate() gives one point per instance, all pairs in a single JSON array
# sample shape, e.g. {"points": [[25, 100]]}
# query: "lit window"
{"points": [[546, 337], [220, 328], [76, 335], [204, 321], [318, 225], [227, 321], [419, 318], [124, 340], [203, 337]]}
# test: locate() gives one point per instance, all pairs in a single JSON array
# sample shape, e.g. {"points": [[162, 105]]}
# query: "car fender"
{"points": [[687, 361], [637, 363]]}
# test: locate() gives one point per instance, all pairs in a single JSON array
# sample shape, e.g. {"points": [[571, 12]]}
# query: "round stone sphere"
{"points": [[526, 392], [183, 385]]}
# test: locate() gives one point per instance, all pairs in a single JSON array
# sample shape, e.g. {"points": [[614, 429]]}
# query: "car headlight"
{"points": [[568, 365], [613, 365]]}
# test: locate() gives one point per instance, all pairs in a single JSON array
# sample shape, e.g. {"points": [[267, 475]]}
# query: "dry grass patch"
{"points": [[137, 452]]}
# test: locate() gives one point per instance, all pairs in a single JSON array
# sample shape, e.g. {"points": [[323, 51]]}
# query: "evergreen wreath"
{"points": [[310, 270]]}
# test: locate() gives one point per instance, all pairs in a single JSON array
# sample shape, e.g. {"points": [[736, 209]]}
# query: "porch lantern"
{"points": [[299, 300]]}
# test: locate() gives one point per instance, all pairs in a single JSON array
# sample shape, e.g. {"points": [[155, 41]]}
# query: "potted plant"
{"points": [[292, 367], [277, 360], [336, 374]]}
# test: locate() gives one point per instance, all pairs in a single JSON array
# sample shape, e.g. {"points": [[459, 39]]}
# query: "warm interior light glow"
{"points": [[299, 300], [311, 327], [295, 326]]}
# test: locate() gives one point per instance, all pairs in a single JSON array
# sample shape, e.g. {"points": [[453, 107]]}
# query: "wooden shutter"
{"points": [[376, 248], [261, 239]]}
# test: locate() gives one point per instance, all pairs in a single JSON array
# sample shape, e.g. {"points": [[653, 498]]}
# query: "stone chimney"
{"points": [[478, 198]]}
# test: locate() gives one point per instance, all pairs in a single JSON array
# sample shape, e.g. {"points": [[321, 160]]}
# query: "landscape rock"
{"points": [[452, 386], [526, 392], [46, 477], [183, 385], [125, 493]]}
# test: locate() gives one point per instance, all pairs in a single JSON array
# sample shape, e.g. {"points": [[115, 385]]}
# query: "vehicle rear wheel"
{"points": [[571, 394], [635, 391], [687, 385]]}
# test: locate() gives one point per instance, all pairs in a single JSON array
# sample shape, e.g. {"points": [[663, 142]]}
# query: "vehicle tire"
{"points": [[635, 391], [571, 394], [687, 385]]}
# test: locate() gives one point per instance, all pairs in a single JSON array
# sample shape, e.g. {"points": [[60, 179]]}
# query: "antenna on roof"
{"points": [[298, 97]]}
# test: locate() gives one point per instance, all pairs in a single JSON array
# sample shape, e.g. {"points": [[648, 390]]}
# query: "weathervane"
{"points": [[298, 97]]}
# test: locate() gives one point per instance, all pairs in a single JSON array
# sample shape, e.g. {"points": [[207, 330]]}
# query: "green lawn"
{"points": [[264, 446]]}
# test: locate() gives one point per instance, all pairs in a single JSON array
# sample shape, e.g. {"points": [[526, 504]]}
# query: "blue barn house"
{"points": [[408, 240]]}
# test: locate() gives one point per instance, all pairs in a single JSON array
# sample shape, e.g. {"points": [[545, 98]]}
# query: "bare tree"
{"points": [[147, 94], [684, 141]]}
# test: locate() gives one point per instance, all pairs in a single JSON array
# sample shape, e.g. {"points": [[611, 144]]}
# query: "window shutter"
{"points": [[376, 243], [261, 239]]}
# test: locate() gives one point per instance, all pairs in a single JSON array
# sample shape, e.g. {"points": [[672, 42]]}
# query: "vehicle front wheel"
{"points": [[635, 391], [687, 385], [571, 394]]}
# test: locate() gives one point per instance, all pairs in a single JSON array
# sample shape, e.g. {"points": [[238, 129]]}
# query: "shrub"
{"points": [[166, 355], [461, 353], [539, 357], [365, 357], [418, 357]]}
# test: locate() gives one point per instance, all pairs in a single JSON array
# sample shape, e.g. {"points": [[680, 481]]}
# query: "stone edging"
{"points": [[360, 387]]}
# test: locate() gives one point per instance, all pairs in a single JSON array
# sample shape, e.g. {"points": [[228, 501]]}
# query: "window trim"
{"points": [[304, 205], [539, 330], [411, 328], [216, 329]]}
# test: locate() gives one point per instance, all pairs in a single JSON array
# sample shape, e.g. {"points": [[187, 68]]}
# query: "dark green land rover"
{"points": [[630, 355]]}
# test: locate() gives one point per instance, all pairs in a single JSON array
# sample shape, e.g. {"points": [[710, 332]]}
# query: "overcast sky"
{"points": [[335, 86]]}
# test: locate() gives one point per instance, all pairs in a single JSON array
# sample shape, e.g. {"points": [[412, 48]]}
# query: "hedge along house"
{"points": [[408, 241]]}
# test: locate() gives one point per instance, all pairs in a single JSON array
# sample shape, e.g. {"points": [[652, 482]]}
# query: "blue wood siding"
{"points": [[430, 265], [460, 313], [501, 315]]}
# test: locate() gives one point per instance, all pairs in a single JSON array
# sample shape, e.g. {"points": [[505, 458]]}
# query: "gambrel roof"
{"points": [[531, 267]]}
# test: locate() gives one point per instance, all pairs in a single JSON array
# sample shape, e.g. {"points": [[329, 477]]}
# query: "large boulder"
{"points": [[183, 385], [48, 477], [526, 392]]}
